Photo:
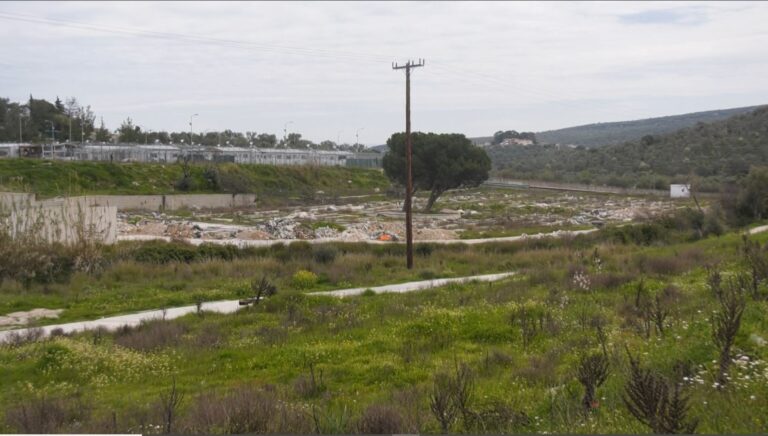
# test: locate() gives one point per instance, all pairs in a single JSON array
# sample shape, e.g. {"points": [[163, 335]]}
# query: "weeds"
{"points": [[726, 323], [647, 396], [592, 373]]}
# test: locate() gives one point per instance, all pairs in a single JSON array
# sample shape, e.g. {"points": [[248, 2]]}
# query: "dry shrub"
{"points": [[17, 339], [44, 414], [499, 418], [497, 358], [411, 402], [540, 369], [675, 264], [209, 337], [150, 335], [272, 335], [610, 280], [380, 419], [244, 409]]}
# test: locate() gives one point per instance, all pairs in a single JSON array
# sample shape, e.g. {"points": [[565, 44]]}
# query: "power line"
{"points": [[179, 37]]}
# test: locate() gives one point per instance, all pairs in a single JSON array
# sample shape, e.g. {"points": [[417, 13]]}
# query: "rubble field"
{"points": [[481, 210]]}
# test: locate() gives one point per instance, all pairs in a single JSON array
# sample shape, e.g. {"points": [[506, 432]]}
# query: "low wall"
{"points": [[159, 203], [66, 222], [15, 200], [208, 201]]}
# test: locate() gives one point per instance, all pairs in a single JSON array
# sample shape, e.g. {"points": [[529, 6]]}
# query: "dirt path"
{"points": [[229, 306], [269, 242]]}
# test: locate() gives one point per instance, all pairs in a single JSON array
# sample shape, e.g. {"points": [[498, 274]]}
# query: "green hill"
{"points": [[52, 178], [717, 152], [599, 134]]}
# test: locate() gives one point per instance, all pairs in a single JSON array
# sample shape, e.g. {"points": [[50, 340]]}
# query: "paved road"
{"points": [[229, 306], [268, 242]]}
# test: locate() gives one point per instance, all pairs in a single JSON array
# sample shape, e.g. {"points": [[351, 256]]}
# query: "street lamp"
{"points": [[190, 128], [53, 137], [357, 136], [285, 133]]}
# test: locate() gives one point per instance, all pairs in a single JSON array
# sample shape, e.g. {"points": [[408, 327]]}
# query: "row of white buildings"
{"points": [[172, 153]]}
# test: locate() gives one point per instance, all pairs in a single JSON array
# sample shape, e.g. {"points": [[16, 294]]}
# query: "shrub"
{"points": [[592, 372], [377, 419], [324, 254], [304, 280], [150, 335], [244, 409], [43, 414], [647, 396], [424, 250], [427, 274]]}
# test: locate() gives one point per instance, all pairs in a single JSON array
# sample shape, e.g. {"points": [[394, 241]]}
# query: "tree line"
{"points": [[710, 155], [40, 121]]}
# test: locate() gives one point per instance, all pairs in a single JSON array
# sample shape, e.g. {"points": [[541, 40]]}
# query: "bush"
{"points": [[304, 280], [424, 250], [380, 420], [324, 254], [161, 252], [150, 335]]}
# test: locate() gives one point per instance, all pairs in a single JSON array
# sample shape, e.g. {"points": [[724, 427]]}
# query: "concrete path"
{"points": [[269, 242], [758, 229], [415, 286], [229, 306]]}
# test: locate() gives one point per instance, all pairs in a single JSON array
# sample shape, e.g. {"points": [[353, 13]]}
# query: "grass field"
{"points": [[51, 178], [298, 363]]}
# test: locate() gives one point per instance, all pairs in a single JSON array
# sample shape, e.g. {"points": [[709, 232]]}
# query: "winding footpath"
{"points": [[229, 306]]}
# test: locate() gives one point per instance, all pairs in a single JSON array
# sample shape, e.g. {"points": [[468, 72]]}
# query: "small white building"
{"points": [[679, 191]]}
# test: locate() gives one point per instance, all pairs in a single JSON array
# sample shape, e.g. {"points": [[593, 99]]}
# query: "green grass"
{"points": [[383, 349], [52, 178], [373, 348], [528, 230]]}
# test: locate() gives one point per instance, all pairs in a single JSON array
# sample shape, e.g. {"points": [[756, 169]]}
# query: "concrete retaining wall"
{"points": [[67, 223], [15, 200], [158, 203], [208, 201]]}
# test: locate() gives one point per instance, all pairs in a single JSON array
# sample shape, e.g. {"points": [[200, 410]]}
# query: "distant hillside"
{"points": [[715, 152], [595, 135]]}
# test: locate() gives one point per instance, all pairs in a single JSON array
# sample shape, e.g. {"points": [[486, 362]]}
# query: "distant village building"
{"points": [[680, 191], [516, 141], [163, 153]]}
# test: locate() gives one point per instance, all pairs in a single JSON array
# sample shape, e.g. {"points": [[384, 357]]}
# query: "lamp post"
{"points": [[357, 136], [285, 134], [53, 138], [190, 128]]}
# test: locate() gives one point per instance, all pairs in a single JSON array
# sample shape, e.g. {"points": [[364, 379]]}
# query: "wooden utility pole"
{"points": [[408, 159]]}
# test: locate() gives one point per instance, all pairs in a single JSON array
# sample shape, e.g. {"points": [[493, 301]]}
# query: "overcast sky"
{"points": [[327, 66]]}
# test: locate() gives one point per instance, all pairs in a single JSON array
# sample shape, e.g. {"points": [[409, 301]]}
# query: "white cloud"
{"points": [[490, 65]]}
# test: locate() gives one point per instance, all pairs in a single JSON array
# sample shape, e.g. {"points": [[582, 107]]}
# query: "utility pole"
{"points": [[69, 138], [408, 159]]}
